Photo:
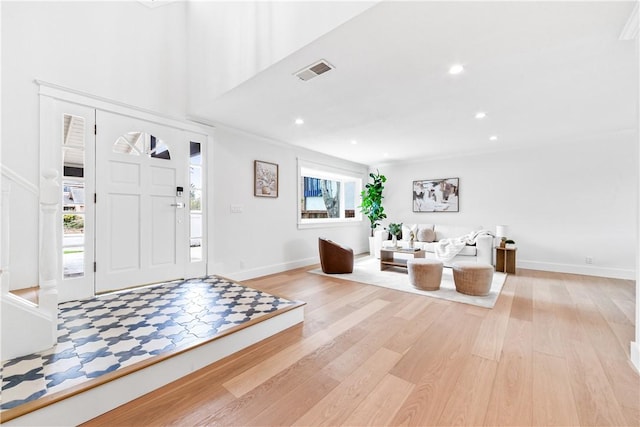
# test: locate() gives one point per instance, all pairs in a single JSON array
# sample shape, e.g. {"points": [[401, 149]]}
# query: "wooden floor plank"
{"points": [[294, 404], [511, 395], [546, 335], [406, 337], [343, 365], [332, 410], [468, 401], [626, 387], [594, 397], [609, 309], [251, 378], [553, 402], [578, 291], [380, 406], [490, 339], [434, 365], [522, 305], [616, 288], [243, 410], [415, 307], [354, 295], [601, 336], [628, 307], [625, 334], [286, 390], [367, 355]]}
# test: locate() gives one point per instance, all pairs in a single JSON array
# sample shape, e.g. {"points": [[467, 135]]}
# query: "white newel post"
{"points": [[49, 200]]}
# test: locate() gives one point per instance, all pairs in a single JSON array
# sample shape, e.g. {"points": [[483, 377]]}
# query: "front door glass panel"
{"points": [[195, 201], [141, 144], [73, 196]]}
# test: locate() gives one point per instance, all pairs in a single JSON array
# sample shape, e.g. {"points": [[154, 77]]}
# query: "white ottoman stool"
{"points": [[425, 274]]}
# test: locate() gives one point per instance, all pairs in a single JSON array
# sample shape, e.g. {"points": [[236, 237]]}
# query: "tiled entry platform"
{"points": [[110, 336]]}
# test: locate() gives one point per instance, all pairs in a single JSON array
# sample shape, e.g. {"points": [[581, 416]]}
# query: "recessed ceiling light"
{"points": [[456, 69], [481, 115], [386, 154], [299, 121], [354, 142], [493, 138]]}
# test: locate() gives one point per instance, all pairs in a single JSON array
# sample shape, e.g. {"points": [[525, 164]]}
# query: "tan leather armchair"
{"points": [[334, 258]]}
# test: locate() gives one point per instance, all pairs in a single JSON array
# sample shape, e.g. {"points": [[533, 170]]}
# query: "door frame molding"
{"points": [[49, 148], [100, 103]]}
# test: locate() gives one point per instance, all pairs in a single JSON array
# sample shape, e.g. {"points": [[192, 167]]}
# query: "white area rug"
{"points": [[367, 270]]}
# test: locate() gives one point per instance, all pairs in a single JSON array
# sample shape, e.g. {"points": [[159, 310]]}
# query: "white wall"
{"points": [[562, 202], [118, 50], [132, 54], [264, 238], [230, 42]]}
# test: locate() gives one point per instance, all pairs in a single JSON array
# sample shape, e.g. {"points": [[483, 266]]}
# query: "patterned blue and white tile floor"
{"points": [[101, 335]]}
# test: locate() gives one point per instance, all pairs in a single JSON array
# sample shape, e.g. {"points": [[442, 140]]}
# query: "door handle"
{"points": [[178, 205]]}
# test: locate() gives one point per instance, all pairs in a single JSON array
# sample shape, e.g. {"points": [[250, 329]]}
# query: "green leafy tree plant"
{"points": [[372, 200]]}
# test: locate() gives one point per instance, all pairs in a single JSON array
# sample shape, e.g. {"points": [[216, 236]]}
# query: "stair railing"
{"points": [[32, 327]]}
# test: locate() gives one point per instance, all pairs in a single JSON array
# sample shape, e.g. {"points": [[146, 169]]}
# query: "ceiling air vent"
{"points": [[314, 70]]}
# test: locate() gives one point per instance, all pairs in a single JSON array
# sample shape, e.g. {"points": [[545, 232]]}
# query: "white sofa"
{"points": [[481, 252]]}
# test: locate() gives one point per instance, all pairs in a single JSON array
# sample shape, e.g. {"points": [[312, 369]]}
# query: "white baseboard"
{"points": [[84, 406], [635, 355], [615, 273], [269, 269], [587, 270], [279, 268]]}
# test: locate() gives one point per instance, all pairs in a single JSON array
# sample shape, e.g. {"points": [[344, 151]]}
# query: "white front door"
{"points": [[142, 232]]}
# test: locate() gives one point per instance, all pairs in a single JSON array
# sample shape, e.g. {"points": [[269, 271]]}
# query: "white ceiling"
{"points": [[544, 72]]}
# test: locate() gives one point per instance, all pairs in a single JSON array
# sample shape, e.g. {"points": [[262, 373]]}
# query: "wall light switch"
{"points": [[237, 208]]}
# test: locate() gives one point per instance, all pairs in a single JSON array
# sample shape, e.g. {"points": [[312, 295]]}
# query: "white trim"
{"points": [[330, 168], [615, 273], [199, 268], [330, 172], [325, 223], [285, 266], [78, 97], [36, 324], [204, 122], [18, 179], [85, 406], [270, 269]]}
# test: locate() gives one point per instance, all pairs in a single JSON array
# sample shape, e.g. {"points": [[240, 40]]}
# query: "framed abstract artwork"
{"points": [[436, 195], [265, 177]]}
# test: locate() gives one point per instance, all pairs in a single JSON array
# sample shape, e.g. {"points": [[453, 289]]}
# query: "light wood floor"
{"points": [[553, 351]]}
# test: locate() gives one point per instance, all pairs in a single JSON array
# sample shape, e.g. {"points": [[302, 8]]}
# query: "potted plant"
{"points": [[396, 231], [371, 204]]}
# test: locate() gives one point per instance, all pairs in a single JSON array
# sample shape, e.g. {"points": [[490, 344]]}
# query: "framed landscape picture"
{"points": [[265, 176], [436, 195]]}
